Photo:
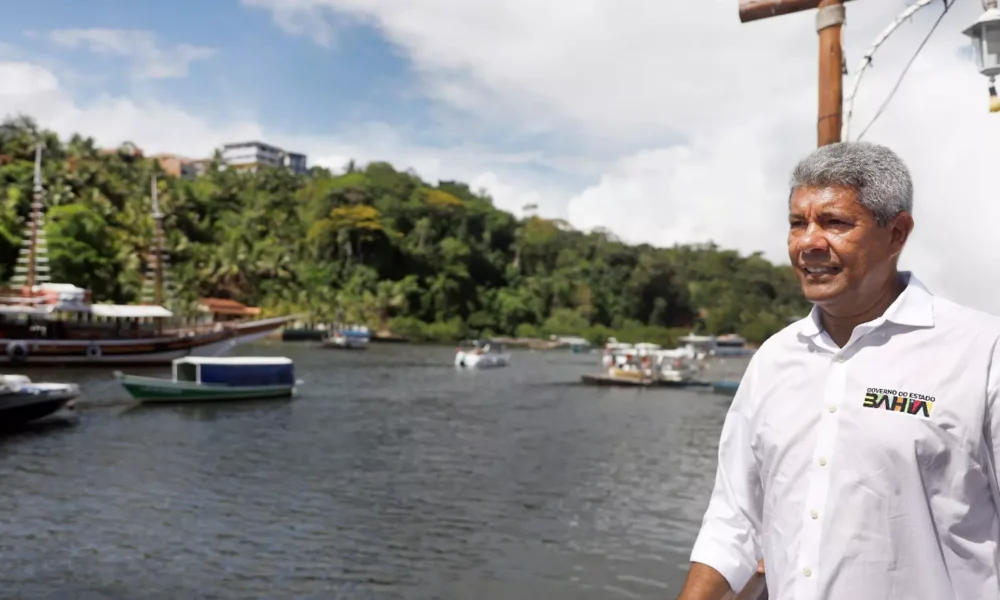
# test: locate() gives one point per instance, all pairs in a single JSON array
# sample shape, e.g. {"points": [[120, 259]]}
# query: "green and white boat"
{"points": [[212, 379]]}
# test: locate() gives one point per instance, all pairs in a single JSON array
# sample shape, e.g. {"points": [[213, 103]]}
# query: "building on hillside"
{"points": [[296, 162], [216, 310], [127, 150], [199, 166], [253, 155], [178, 166]]}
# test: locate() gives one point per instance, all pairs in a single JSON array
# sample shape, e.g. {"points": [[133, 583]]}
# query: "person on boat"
{"points": [[859, 456]]}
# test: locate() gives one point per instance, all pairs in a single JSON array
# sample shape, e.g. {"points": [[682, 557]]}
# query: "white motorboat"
{"points": [[479, 354], [673, 368], [22, 401]]}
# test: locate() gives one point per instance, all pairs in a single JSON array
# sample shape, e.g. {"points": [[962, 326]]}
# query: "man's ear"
{"points": [[901, 227]]}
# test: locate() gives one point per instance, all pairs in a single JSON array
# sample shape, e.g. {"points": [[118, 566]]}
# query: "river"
{"points": [[392, 475]]}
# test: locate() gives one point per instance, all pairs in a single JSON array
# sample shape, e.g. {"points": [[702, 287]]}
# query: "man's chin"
{"points": [[821, 293]]}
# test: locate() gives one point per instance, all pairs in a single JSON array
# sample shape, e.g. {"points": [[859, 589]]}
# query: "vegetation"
{"points": [[426, 261]]}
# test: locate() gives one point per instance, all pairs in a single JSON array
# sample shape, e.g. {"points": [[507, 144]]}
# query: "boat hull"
{"points": [[726, 387], [602, 379], [342, 343], [35, 401], [153, 389], [158, 350], [487, 360]]}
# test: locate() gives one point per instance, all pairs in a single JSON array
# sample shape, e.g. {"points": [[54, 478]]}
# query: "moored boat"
{"points": [[649, 368], [726, 387], [200, 379], [22, 401], [354, 337], [481, 354]]}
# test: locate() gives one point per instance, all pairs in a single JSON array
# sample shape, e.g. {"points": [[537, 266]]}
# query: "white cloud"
{"points": [[32, 90], [740, 98], [684, 122], [150, 61], [160, 127], [300, 17]]}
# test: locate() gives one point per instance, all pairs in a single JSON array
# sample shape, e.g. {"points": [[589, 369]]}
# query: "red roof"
{"points": [[225, 306]]}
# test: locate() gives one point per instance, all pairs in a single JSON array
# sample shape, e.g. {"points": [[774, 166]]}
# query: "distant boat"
{"points": [[304, 333], [354, 337], [648, 368], [216, 378], [729, 345], [22, 401], [480, 354], [726, 386]]}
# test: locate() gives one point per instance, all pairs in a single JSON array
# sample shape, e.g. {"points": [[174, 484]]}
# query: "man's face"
{"points": [[840, 254]]}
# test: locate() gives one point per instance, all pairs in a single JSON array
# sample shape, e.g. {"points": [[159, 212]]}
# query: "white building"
{"points": [[251, 155]]}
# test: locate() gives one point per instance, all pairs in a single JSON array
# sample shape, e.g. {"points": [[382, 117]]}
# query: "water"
{"points": [[393, 475]]}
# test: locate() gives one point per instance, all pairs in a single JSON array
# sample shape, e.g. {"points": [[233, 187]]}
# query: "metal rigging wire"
{"points": [[866, 61]]}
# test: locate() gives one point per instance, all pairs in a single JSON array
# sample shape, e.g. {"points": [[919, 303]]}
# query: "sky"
{"points": [[665, 122]]}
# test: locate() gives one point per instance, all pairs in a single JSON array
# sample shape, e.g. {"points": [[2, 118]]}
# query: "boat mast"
{"points": [[155, 280], [32, 263], [158, 247]]}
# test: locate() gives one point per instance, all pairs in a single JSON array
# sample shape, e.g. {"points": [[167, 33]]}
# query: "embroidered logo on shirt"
{"points": [[899, 401]]}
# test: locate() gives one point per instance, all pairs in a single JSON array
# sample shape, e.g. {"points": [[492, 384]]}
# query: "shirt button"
{"points": [[814, 514], [807, 571], [841, 359], [822, 462], [833, 408]]}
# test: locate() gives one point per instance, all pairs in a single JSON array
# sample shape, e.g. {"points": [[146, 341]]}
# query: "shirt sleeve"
{"points": [[728, 540], [991, 427]]}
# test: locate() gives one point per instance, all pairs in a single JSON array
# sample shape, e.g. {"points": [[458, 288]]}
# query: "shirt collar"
{"points": [[914, 308]]}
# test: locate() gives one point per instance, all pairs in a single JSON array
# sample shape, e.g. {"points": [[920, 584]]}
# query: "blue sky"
{"points": [[290, 83], [665, 122]]}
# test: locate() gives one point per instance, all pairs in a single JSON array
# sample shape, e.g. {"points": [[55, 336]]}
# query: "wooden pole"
{"points": [[829, 22], [830, 19], [755, 10]]}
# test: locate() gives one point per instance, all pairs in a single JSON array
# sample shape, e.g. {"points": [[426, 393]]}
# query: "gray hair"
{"points": [[876, 173]]}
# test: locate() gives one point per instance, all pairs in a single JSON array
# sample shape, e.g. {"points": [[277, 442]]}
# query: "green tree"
{"points": [[434, 260]]}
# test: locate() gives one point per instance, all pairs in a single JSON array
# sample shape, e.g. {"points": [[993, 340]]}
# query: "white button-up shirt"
{"points": [[868, 471]]}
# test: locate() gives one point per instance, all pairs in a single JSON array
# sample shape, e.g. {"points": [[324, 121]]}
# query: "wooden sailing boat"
{"points": [[56, 323]]}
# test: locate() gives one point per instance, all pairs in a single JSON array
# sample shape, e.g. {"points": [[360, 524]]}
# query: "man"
{"points": [[858, 459]]}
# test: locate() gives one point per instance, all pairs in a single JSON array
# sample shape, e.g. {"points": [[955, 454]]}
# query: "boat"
{"points": [[617, 354], [480, 354], [728, 345], [726, 386], [653, 368], [673, 368], [575, 344], [45, 322], [304, 332], [199, 379], [22, 401], [353, 337], [609, 379]]}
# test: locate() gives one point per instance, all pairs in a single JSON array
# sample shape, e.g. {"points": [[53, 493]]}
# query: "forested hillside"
{"points": [[432, 261]]}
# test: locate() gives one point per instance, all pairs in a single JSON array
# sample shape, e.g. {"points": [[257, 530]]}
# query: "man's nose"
{"points": [[813, 240]]}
